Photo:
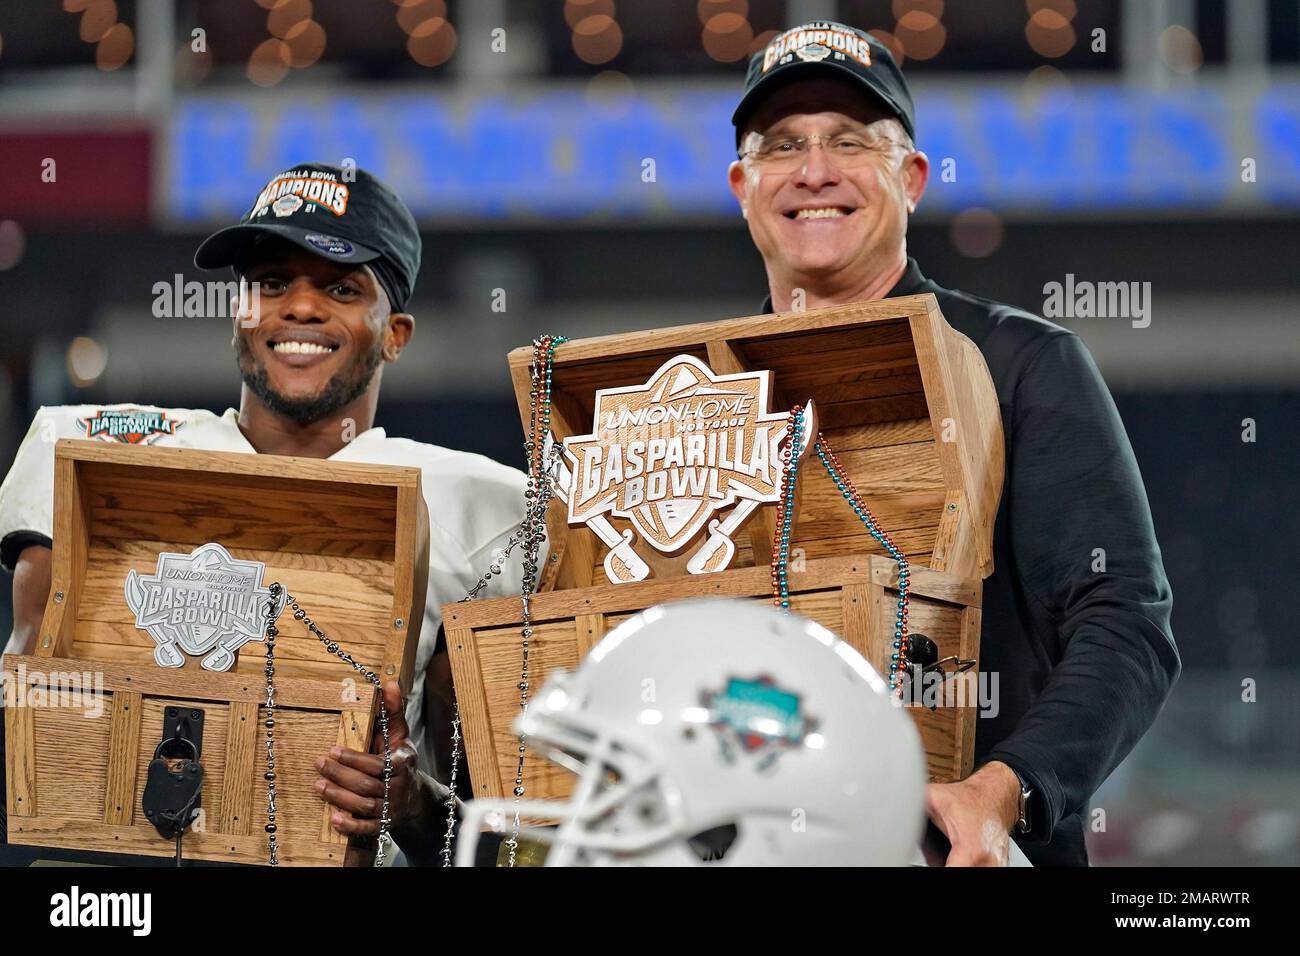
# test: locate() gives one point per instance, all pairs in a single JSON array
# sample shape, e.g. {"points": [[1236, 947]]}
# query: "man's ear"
{"points": [[736, 180], [236, 320], [916, 174], [398, 332]]}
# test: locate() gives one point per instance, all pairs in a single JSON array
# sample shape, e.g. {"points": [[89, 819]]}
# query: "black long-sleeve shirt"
{"points": [[1085, 658]]}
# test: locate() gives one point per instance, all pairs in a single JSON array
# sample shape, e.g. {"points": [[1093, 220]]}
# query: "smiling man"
{"points": [[827, 176], [326, 261]]}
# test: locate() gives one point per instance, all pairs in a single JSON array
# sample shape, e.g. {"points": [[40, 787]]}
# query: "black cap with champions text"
{"points": [[343, 214], [825, 48]]}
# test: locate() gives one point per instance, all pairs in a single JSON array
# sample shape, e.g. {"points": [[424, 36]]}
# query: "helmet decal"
{"points": [[759, 717]]}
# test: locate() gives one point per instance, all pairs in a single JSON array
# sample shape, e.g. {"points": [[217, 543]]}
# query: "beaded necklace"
{"points": [[274, 606], [530, 534], [790, 456]]}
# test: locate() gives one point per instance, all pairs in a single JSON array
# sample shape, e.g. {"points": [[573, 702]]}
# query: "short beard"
{"points": [[347, 385]]}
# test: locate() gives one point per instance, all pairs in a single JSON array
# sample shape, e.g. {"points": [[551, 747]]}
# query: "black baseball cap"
{"points": [[341, 214], [825, 48]]}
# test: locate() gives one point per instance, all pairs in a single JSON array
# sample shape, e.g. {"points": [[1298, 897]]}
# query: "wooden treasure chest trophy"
{"points": [[172, 694], [671, 472]]}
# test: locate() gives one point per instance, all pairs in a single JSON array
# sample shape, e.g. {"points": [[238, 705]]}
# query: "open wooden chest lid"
{"points": [[905, 401], [345, 538]]}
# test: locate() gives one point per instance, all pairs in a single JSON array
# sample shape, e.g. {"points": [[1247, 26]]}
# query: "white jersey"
{"points": [[474, 502]]}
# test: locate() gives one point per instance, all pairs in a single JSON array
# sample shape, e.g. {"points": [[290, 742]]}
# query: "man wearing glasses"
{"points": [[827, 176]]}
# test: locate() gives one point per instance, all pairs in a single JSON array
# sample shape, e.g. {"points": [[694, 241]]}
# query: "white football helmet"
{"points": [[719, 731]]}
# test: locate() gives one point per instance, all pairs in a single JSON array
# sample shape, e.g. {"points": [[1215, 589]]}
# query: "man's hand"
{"points": [[354, 782], [977, 814]]}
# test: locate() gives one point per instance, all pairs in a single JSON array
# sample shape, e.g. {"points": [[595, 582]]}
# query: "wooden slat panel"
{"points": [[881, 616], [499, 652], [579, 378], [143, 488], [884, 471], [891, 408], [471, 696], [913, 543], [58, 830], [190, 464], [590, 629], [300, 534], [351, 600], [829, 387], [242, 740], [91, 636], [969, 644], [856, 607], [249, 666], [615, 599], [20, 757], [123, 752], [897, 434], [72, 777], [68, 567], [301, 738], [938, 729], [940, 586], [823, 508], [195, 683], [142, 554], [793, 347], [410, 590]]}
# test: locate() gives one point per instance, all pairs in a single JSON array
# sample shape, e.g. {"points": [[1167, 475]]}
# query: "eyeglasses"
{"points": [[845, 150]]}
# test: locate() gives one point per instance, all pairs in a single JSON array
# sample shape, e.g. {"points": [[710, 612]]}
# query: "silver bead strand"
{"points": [[451, 790], [385, 839], [530, 533]]}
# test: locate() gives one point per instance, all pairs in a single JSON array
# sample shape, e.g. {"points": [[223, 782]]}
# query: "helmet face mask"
{"points": [[718, 733]]}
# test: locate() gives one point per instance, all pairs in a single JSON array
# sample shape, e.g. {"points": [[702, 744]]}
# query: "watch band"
{"points": [[1025, 822]]}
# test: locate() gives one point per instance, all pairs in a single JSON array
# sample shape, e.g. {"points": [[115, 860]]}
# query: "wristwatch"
{"points": [[1025, 821]]}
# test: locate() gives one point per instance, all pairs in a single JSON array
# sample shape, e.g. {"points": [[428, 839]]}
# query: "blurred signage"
{"points": [[663, 154], [76, 179]]}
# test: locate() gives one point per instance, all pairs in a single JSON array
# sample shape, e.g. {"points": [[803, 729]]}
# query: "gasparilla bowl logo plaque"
{"points": [[205, 602], [668, 454]]}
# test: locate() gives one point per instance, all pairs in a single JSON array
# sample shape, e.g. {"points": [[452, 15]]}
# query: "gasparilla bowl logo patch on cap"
{"points": [[332, 245], [286, 205], [813, 52]]}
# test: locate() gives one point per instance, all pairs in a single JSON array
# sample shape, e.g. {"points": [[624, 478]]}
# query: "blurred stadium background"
{"points": [[1115, 140]]}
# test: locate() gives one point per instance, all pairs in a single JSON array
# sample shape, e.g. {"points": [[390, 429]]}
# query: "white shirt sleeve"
{"points": [[27, 495], [478, 504]]}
